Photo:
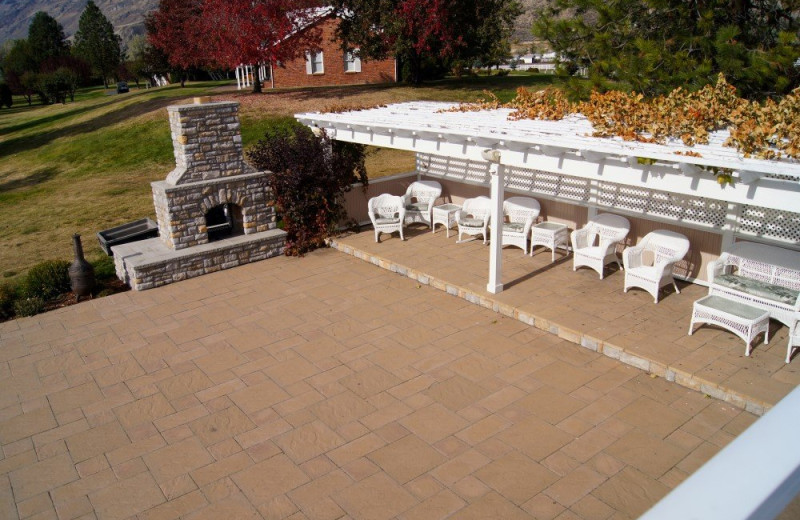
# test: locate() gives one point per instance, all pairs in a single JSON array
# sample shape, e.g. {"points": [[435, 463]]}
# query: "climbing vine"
{"points": [[768, 130]]}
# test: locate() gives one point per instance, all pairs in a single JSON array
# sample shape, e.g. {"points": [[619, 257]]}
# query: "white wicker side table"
{"points": [[550, 235], [444, 214], [743, 320]]}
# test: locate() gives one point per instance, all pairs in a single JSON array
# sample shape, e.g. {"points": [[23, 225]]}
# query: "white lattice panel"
{"points": [[769, 223], [680, 208], [454, 169], [550, 184], [519, 179], [708, 213]]}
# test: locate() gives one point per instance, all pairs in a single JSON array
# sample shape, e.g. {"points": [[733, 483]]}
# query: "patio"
{"points": [[596, 314], [325, 387]]}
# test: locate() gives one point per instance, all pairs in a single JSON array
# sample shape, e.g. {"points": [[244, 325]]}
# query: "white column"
{"points": [[271, 75], [497, 171]]}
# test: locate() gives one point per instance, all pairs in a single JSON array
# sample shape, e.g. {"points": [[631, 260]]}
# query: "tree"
{"points": [[6, 98], [175, 30], [137, 51], [653, 46], [418, 30], [69, 72], [257, 31], [487, 29], [18, 66], [411, 30], [96, 42], [46, 38]]}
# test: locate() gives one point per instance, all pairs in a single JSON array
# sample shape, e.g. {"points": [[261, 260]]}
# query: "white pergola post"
{"points": [[497, 171]]}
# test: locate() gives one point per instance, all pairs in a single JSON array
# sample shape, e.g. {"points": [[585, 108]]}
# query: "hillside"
{"points": [[127, 17]]}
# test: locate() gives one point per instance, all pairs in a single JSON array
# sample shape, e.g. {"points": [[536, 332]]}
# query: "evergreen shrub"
{"points": [[29, 306], [8, 295], [46, 280]]}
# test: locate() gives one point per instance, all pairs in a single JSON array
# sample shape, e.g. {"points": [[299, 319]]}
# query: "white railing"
{"points": [[755, 477]]}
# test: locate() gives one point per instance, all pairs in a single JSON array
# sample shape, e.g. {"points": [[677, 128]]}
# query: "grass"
{"points": [[88, 165]]}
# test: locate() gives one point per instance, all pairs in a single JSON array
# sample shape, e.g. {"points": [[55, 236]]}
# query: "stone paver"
{"points": [[594, 313], [325, 387]]}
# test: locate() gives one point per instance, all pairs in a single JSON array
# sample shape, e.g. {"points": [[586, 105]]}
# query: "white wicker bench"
{"points": [[762, 276]]}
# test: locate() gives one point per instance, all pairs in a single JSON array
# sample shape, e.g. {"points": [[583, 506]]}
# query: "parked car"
{"points": [[122, 87]]}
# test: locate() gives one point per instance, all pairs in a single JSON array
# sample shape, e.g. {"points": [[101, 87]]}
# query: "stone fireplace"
{"points": [[212, 209], [210, 172]]}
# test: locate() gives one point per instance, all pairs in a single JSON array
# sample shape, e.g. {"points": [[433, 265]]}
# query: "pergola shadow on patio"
{"points": [[594, 313]]}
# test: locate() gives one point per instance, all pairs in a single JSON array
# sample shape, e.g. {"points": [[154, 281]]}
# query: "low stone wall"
{"points": [[149, 263]]}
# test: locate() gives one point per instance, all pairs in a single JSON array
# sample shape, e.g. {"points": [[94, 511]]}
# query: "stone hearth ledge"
{"points": [[150, 263]]}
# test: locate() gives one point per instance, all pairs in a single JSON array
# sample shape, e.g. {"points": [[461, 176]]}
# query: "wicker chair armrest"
{"points": [[716, 268], [528, 225], [632, 257], [580, 238]]}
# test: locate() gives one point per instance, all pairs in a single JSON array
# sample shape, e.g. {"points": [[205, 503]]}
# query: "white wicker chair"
{"points": [[419, 200], [387, 213], [519, 215], [607, 230], [473, 217], [664, 248]]}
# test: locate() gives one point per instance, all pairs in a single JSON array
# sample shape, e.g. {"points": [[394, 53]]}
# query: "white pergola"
{"points": [[564, 147]]}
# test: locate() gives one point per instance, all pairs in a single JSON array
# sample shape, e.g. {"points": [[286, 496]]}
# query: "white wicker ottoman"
{"points": [[743, 320]]}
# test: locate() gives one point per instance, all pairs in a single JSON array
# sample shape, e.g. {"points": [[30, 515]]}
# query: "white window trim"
{"points": [[352, 63], [315, 63]]}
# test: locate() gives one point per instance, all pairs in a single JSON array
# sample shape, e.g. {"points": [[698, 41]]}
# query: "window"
{"points": [[315, 63], [352, 63]]}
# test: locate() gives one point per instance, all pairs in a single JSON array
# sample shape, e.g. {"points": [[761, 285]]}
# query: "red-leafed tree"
{"points": [[422, 32], [175, 29], [239, 32]]}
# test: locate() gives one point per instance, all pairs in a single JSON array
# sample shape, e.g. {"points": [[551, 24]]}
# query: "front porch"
{"points": [[593, 313]]}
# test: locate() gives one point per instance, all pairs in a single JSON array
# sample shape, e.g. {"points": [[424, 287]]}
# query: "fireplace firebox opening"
{"points": [[224, 221]]}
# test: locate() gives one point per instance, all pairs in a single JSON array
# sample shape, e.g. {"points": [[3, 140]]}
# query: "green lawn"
{"points": [[87, 165]]}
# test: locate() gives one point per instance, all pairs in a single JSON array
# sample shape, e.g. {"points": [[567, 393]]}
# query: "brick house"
{"points": [[326, 67]]}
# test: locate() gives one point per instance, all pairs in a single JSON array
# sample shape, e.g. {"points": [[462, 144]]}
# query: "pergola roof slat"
{"points": [[431, 121]]}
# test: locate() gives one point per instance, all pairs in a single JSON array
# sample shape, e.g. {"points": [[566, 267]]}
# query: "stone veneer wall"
{"points": [[209, 171], [181, 210], [207, 141], [142, 272]]}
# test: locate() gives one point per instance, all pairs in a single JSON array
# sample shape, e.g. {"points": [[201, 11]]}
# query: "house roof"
{"points": [[567, 147], [314, 15]]}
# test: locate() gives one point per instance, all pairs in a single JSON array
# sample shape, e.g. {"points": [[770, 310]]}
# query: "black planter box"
{"points": [[130, 232]]}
